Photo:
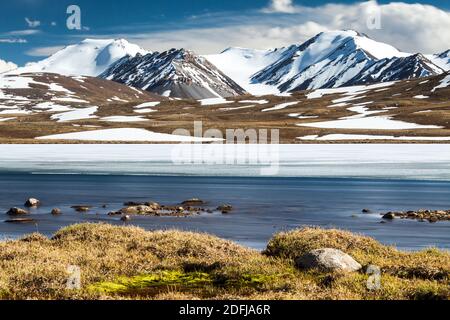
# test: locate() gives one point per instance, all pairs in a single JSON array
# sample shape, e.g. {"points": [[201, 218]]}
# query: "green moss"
{"points": [[182, 280], [164, 278]]}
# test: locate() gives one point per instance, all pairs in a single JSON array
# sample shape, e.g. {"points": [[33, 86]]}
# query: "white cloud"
{"points": [[13, 40], [32, 23], [43, 51], [27, 32], [281, 6], [6, 66], [410, 27]]}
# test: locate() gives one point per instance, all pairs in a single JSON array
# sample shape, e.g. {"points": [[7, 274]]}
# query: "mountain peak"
{"points": [[178, 73], [89, 57]]}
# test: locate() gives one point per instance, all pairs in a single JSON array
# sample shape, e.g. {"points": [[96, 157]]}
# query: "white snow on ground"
{"points": [[444, 83], [147, 104], [24, 81], [213, 101], [124, 119], [331, 137], [421, 97], [125, 134], [423, 82], [78, 114], [347, 99], [281, 106], [118, 99], [355, 90], [6, 119], [15, 111], [307, 117], [342, 104], [52, 107], [424, 111], [299, 116], [362, 112], [69, 99], [369, 123], [254, 101], [237, 108], [145, 110]]}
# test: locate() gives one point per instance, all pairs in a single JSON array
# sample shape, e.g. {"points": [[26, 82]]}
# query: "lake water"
{"points": [[263, 205]]}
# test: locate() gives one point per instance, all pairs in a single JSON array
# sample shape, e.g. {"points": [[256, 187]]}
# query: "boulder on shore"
{"points": [[328, 260], [16, 211], [32, 203]]}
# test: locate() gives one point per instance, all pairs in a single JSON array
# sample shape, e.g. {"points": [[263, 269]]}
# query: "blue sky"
{"points": [[32, 29]]}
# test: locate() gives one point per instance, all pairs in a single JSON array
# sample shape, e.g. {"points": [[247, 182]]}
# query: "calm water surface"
{"points": [[263, 205]]}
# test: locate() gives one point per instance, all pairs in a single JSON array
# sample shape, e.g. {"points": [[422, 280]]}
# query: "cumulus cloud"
{"points": [[6, 66], [410, 27], [32, 23], [281, 6]]}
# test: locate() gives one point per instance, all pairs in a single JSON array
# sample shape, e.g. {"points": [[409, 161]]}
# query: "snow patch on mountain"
{"points": [[6, 66]]}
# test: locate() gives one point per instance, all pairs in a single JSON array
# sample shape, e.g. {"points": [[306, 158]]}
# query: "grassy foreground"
{"points": [[131, 263]]}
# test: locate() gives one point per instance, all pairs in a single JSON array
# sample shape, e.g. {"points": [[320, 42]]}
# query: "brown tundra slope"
{"points": [[41, 105]]}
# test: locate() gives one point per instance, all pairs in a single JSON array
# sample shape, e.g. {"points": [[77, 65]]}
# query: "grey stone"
{"points": [[329, 260]]}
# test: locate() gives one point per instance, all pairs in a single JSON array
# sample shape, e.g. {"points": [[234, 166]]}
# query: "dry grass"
{"points": [[131, 263]]}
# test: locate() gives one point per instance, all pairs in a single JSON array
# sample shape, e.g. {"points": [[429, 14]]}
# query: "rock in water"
{"points": [[328, 260], [193, 202], [32, 203], [225, 208], [20, 220], [16, 212], [81, 208], [56, 211], [389, 216], [125, 218]]}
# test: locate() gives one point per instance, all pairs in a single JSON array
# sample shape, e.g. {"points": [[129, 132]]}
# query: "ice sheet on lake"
{"points": [[391, 161]]}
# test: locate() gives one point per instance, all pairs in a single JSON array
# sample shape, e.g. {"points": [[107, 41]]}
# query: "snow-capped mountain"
{"points": [[176, 73], [330, 59], [240, 64], [6, 66], [88, 58], [386, 70], [442, 60]]}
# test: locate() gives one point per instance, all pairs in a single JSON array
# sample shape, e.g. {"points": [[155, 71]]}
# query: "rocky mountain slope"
{"points": [[175, 73], [328, 60]]}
